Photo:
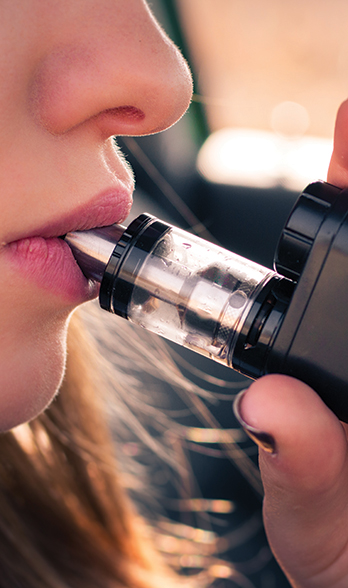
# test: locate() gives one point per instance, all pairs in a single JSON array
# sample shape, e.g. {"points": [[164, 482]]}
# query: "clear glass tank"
{"points": [[195, 293]]}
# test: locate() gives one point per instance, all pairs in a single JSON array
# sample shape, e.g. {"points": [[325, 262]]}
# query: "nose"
{"points": [[111, 66], [338, 169]]}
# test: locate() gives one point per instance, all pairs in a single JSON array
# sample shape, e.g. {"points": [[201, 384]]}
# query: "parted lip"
{"points": [[110, 207]]}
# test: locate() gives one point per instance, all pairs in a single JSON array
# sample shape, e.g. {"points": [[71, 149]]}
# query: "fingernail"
{"points": [[264, 440]]}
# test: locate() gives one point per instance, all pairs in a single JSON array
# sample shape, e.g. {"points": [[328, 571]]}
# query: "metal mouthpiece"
{"points": [[92, 249]]}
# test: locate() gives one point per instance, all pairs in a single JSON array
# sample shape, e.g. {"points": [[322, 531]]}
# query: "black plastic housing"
{"points": [[311, 339], [127, 258]]}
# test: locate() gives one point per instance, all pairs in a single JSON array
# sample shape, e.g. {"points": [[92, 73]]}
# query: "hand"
{"points": [[304, 468]]}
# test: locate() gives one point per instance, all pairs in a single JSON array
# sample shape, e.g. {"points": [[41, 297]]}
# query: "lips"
{"points": [[106, 209], [46, 260]]}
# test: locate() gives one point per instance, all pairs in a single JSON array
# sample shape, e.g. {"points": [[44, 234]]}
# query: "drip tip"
{"points": [[93, 249]]}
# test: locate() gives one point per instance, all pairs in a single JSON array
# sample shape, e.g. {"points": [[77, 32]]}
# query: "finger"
{"points": [[338, 169], [303, 462]]}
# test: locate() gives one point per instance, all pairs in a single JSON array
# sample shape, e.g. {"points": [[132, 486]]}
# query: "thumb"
{"points": [[304, 469]]}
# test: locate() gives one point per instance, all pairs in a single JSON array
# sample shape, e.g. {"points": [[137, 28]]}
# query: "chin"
{"points": [[31, 378]]}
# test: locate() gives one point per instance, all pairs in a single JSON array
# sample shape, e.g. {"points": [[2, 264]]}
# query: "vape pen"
{"points": [[292, 320]]}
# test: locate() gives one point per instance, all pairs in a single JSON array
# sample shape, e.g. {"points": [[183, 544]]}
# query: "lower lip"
{"points": [[51, 265]]}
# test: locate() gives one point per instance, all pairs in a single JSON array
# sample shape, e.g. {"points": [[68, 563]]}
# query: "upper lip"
{"points": [[111, 206]]}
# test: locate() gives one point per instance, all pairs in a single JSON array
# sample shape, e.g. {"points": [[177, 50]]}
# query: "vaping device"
{"points": [[293, 320]]}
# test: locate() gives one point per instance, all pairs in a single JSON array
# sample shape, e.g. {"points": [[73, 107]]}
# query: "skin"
{"points": [[76, 74], [306, 479], [71, 68]]}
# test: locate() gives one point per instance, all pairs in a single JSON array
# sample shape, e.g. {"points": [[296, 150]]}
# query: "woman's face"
{"points": [[73, 74]]}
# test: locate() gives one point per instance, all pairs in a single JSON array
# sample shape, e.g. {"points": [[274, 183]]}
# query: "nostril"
{"points": [[125, 112], [121, 120]]}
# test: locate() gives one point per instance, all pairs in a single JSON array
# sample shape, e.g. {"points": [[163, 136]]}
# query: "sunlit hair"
{"points": [[66, 518], [155, 396]]}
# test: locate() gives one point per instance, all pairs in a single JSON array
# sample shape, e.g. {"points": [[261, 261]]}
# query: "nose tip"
{"points": [[120, 72]]}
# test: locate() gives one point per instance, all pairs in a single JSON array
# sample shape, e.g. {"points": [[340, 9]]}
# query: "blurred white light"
{"points": [[247, 157], [290, 119], [308, 160]]}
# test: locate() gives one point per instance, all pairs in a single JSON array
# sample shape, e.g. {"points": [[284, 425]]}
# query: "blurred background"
{"points": [[269, 77]]}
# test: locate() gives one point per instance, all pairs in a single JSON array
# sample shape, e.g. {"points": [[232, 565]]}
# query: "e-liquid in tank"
{"points": [[292, 320]]}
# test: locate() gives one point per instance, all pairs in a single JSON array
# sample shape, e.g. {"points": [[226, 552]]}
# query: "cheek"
{"points": [[32, 354], [31, 370], [30, 378]]}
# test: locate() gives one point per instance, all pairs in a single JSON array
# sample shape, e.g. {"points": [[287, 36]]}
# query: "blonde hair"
{"points": [[65, 519]]}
